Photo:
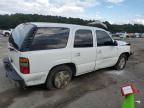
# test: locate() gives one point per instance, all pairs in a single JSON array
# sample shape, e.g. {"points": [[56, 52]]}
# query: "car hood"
{"points": [[122, 43]]}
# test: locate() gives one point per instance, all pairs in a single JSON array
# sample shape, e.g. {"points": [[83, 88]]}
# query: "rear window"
{"points": [[18, 35], [50, 38]]}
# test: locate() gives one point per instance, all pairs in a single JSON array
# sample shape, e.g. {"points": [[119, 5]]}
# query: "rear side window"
{"points": [[50, 38], [83, 38], [103, 39]]}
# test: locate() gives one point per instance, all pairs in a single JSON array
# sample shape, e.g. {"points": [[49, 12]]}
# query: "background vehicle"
{"points": [[122, 34], [53, 53], [7, 32]]}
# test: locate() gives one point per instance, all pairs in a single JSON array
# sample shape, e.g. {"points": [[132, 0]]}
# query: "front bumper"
{"points": [[11, 72]]}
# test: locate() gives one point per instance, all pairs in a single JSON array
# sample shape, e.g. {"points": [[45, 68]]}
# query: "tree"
{"points": [[11, 21]]}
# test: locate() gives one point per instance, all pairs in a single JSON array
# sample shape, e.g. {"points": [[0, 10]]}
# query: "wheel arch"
{"points": [[126, 53], [6, 33], [71, 65]]}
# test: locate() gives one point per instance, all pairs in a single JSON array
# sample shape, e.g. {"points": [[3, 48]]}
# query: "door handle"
{"points": [[77, 54]]}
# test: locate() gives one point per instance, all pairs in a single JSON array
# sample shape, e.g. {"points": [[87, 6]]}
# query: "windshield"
{"points": [[18, 35]]}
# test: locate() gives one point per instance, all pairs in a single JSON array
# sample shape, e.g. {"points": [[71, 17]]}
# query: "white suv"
{"points": [[52, 53]]}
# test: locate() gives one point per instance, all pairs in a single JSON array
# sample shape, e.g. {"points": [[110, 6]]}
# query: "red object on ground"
{"points": [[128, 89]]}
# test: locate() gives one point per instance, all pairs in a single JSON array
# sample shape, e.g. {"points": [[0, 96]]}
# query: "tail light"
{"points": [[24, 65]]}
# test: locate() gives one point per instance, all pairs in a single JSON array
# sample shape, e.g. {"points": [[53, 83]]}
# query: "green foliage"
{"points": [[129, 28], [11, 21]]}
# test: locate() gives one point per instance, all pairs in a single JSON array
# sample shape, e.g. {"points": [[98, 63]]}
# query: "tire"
{"points": [[120, 65], [7, 34], [59, 77]]}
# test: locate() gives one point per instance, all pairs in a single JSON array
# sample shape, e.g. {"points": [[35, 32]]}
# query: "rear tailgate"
{"points": [[16, 41]]}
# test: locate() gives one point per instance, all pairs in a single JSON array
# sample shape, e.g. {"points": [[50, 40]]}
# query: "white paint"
{"points": [[127, 90], [121, 43], [7, 31]]}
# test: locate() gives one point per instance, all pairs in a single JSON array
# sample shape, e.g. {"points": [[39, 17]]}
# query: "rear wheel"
{"points": [[121, 62], [59, 77]]}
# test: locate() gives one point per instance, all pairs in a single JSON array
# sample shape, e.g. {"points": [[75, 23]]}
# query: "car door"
{"points": [[83, 51], [107, 54]]}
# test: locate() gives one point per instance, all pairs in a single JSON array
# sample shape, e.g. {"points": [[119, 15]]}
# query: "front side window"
{"points": [[50, 38], [83, 38], [103, 39]]}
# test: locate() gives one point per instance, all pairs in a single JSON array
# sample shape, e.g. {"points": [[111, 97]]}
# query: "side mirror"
{"points": [[115, 43]]}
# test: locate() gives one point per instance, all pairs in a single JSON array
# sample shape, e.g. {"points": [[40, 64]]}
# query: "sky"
{"points": [[114, 11]]}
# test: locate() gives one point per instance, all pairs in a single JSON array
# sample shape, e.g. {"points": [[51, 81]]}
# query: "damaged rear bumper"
{"points": [[11, 72]]}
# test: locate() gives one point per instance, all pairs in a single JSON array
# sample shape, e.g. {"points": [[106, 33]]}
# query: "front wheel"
{"points": [[121, 62], [59, 77]]}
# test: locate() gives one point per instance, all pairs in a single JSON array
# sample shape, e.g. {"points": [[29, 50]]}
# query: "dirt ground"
{"points": [[100, 89]]}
